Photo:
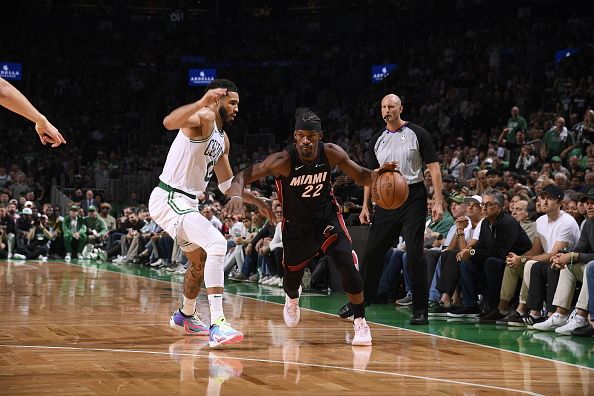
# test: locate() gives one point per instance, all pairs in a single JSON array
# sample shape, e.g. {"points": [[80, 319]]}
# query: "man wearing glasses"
{"points": [[500, 234]]}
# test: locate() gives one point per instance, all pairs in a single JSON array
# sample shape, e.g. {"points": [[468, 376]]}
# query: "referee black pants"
{"points": [[388, 225]]}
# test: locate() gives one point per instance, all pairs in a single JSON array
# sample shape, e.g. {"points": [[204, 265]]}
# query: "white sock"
{"points": [[189, 306], [215, 301]]}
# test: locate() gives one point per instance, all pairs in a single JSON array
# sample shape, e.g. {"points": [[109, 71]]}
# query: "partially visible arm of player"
{"points": [[278, 163], [187, 116], [437, 210], [14, 100], [363, 176]]}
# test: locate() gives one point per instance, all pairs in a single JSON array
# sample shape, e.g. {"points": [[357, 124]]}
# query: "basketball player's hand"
{"points": [[392, 166], [268, 212], [365, 216], [437, 211], [212, 95], [48, 133], [235, 206]]}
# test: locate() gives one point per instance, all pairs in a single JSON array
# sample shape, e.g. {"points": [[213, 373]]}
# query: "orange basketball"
{"points": [[389, 190]]}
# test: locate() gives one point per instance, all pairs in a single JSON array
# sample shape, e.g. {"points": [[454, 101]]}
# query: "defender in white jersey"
{"points": [[200, 148]]}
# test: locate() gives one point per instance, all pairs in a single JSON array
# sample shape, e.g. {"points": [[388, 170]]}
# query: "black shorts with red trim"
{"points": [[303, 242]]}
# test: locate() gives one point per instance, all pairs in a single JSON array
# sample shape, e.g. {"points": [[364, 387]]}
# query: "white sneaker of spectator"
{"points": [[86, 253], [18, 256], [273, 280], [42, 257], [157, 263], [175, 268], [573, 323], [101, 254], [554, 321], [181, 270], [68, 257], [119, 259]]}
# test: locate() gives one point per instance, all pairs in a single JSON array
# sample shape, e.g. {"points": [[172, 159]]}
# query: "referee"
{"points": [[410, 146]]}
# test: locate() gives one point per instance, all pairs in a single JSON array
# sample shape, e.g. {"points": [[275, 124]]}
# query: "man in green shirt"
{"points": [[514, 124], [75, 232], [96, 230], [558, 141]]}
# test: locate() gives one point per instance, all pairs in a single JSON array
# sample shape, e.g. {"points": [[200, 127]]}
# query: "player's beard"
{"points": [[225, 117]]}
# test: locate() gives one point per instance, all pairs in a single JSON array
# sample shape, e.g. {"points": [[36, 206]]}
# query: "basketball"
{"points": [[389, 190]]}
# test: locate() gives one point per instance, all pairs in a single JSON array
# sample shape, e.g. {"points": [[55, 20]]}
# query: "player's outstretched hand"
{"points": [[49, 133], [235, 206], [266, 210]]}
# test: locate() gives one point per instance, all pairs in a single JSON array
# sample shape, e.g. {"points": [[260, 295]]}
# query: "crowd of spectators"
{"points": [[508, 119]]}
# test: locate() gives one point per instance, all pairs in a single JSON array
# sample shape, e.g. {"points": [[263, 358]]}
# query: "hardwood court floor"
{"points": [[69, 329]]}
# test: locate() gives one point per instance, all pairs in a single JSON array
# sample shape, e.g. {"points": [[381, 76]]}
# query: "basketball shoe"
{"points": [[222, 333], [291, 312], [188, 324], [362, 333]]}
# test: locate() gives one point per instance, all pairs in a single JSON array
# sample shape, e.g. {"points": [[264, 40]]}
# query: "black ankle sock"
{"points": [[184, 315], [358, 310]]}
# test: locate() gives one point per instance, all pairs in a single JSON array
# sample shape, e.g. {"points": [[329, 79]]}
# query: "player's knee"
{"points": [[216, 248]]}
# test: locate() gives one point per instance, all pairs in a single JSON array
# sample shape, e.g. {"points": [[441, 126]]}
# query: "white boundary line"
{"points": [[379, 324], [324, 366]]}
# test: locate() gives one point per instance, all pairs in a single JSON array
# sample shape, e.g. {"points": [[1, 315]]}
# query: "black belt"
{"points": [[168, 188]]}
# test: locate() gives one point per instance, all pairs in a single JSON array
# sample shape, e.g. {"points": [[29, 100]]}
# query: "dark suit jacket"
{"points": [[85, 204]]}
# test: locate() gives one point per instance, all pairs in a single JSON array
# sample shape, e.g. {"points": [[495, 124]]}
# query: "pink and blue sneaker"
{"points": [[222, 333], [188, 324]]}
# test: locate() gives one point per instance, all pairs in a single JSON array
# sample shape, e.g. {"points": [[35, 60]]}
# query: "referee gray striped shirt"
{"points": [[410, 145]]}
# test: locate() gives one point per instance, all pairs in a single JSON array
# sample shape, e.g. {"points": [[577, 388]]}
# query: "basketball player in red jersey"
{"points": [[312, 223]]}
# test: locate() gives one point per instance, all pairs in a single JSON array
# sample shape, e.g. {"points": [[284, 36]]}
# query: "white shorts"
{"points": [[171, 210]]}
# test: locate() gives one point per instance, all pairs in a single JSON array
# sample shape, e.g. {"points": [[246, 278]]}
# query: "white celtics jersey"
{"points": [[190, 162]]}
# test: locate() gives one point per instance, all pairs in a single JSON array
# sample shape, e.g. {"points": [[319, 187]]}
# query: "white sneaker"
{"points": [[573, 323], [86, 252], [263, 279], [157, 263], [10, 255], [41, 257], [291, 312], [362, 333], [18, 256], [554, 321], [181, 270]]}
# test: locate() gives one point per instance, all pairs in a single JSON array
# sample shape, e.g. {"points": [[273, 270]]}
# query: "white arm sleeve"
{"points": [[277, 241], [224, 186]]}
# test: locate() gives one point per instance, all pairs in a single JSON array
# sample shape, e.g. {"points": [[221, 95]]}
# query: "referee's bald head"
{"points": [[393, 98]]}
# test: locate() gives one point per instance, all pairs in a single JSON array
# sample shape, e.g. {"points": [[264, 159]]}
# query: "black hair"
{"points": [[222, 83]]}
